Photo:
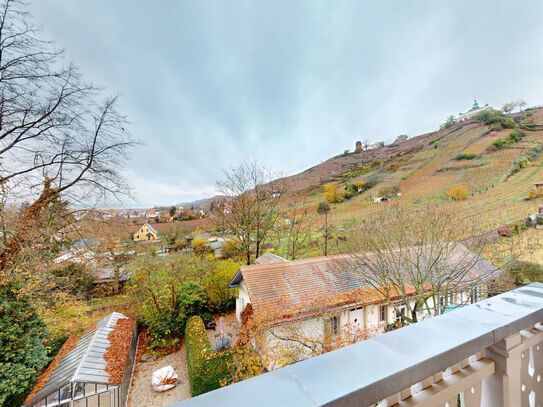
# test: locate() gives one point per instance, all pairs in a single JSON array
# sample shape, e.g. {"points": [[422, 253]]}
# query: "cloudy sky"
{"points": [[207, 84]]}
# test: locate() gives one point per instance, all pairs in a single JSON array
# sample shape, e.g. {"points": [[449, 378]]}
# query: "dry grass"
{"points": [[527, 246]]}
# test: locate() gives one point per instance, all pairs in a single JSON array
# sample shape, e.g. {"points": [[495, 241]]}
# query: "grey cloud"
{"points": [[207, 84]]}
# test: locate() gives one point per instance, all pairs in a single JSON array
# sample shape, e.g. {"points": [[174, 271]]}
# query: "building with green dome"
{"points": [[475, 109]]}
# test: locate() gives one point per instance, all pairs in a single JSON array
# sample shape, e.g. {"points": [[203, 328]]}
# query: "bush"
{"points": [[166, 324], [75, 279], [466, 156], [524, 272], [332, 193], [392, 326], [449, 121], [323, 207], [172, 289], [362, 185], [199, 246], [231, 250], [458, 192], [534, 152], [514, 137], [246, 363], [501, 143], [22, 342], [528, 124], [220, 298], [350, 191], [206, 369], [496, 120], [169, 291], [519, 227]]}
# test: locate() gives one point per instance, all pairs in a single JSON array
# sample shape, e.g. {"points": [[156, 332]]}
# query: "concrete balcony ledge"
{"points": [[373, 370]]}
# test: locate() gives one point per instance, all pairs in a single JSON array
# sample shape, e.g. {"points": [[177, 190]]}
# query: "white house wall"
{"points": [[242, 300], [363, 319], [278, 350]]}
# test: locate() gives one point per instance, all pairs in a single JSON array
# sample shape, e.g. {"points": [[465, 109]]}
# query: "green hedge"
{"points": [[514, 137], [466, 156], [206, 368], [496, 120]]}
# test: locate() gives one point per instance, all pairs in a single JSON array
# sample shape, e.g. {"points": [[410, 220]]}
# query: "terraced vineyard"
{"points": [[424, 167]]}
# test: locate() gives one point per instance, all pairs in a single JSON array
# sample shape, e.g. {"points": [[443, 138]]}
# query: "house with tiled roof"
{"points": [[145, 233], [152, 213], [328, 296]]}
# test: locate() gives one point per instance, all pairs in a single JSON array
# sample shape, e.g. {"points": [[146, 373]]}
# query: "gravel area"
{"points": [[230, 326], [141, 393]]}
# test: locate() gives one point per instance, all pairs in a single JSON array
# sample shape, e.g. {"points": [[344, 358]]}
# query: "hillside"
{"points": [[204, 203], [424, 168]]}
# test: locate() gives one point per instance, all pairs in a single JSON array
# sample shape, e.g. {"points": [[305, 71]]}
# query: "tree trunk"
{"points": [[28, 220], [257, 251], [326, 234], [116, 278]]}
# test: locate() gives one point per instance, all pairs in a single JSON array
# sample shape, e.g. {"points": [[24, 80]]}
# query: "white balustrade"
{"points": [[488, 354]]}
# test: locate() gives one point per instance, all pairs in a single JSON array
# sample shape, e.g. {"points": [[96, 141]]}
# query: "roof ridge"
{"points": [[266, 266], [150, 227]]}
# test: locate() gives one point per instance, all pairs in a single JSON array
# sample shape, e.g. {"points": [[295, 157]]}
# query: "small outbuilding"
{"points": [[93, 369], [539, 188]]}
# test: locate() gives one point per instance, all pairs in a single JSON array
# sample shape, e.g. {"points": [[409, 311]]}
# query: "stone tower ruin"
{"points": [[358, 147]]}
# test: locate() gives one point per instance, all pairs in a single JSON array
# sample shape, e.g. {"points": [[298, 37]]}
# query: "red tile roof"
{"points": [[270, 258], [296, 289]]}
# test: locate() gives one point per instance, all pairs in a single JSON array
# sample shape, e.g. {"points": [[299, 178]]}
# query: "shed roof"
{"points": [[84, 363]]}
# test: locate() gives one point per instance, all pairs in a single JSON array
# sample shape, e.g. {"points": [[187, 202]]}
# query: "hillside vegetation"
{"points": [[495, 159]]}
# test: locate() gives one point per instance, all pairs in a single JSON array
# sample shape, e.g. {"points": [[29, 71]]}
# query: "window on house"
{"points": [[334, 325], [474, 294], [441, 301], [383, 313], [400, 313]]}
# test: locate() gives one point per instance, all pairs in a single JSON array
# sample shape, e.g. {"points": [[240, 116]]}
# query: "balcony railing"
{"points": [[486, 354]]}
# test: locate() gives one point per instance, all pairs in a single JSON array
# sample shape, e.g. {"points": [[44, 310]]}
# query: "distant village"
{"points": [[156, 215]]}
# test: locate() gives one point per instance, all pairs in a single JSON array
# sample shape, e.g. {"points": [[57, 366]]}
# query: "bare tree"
{"points": [[508, 107], [290, 342], [324, 209], [298, 232], [250, 207], [417, 258], [59, 139], [116, 245]]}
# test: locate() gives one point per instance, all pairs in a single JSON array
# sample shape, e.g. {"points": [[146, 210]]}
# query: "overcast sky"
{"points": [[207, 84]]}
